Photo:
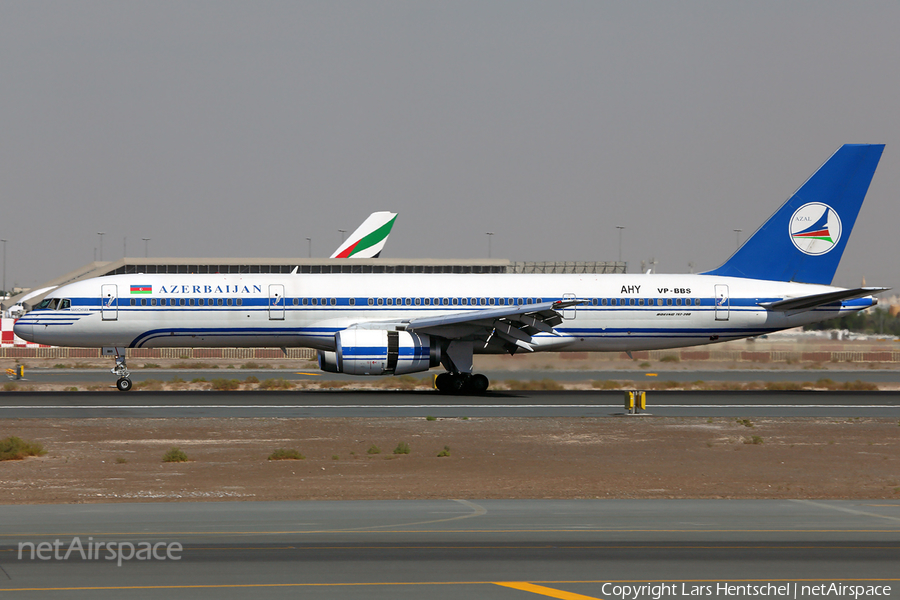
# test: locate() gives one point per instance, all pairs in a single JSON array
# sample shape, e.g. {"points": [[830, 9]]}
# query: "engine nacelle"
{"points": [[380, 352]]}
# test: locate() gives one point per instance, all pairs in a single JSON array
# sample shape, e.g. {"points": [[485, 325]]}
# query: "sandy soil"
{"points": [[108, 460]]}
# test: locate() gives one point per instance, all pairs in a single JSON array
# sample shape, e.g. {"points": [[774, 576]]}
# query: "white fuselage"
{"points": [[621, 312]]}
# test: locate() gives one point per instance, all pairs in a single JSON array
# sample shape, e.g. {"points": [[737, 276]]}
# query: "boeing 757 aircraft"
{"points": [[377, 324]]}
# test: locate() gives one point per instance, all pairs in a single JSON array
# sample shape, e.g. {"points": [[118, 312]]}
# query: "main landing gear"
{"points": [[121, 370], [461, 383]]}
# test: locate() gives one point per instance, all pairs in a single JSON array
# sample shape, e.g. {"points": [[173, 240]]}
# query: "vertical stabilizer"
{"points": [[804, 240], [369, 238]]}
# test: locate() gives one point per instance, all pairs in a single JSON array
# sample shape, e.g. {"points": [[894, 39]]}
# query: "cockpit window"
{"points": [[45, 303], [65, 304]]}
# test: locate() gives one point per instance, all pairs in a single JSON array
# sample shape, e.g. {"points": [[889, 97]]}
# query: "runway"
{"points": [[377, 403], [493, 549], [83, 376]]}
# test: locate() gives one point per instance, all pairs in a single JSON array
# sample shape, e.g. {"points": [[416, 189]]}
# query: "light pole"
{"points": [[309, 246], [101, 234], [146, 252], [490, 235], [737, 238], [4, 265], [620, 228]]}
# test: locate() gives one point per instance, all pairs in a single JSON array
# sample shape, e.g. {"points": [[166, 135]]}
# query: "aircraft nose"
{"points": [[24, 331]]}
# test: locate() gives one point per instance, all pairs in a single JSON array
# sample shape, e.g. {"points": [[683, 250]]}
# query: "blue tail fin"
{"points": [[804, 240]]}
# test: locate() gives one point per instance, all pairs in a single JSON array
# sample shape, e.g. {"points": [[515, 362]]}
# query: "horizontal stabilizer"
{"points": [[809, 302]]}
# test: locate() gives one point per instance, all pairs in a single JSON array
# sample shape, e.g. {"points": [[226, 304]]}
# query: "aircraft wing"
{"points": [[803, 303], [514, 326]]}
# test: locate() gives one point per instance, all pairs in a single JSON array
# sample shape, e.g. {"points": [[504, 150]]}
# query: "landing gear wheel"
{"points": [[461, 383], [124, 384], [442, 382], [477, 384]]}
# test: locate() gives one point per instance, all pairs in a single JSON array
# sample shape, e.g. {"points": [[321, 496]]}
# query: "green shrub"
{"points": [[151, 385], [275, 384], [151, 366], [285, 454], [71, 389], [373, 449], [670, 358], [15, 448], [402, 448], [121, 460], [10, 386], [174, 455], [251, 379], [430, 418], [335, 457], [224, 385], [444, 452], [754, 439]]}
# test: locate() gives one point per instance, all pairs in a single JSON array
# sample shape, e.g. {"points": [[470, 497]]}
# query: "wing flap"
{"points": [[514, 325]]}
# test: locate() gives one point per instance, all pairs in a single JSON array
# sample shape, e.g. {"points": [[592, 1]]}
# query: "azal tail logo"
{"points": [[142, 289], [815, 228]]}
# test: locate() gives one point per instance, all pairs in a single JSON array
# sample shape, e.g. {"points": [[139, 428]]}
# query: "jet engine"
{"points": [[380, 352]]}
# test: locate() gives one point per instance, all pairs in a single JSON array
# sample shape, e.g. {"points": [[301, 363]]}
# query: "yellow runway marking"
{"points": [[652, 374], [310, 374], [544, 591]]}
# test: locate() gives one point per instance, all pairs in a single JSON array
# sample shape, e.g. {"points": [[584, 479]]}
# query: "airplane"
{"points": [[379, 324], [369, 238], [367, 241]]}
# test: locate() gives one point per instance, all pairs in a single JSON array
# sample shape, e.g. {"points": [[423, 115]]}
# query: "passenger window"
{"points": [[296, 301], [239, 301], [219, 301], [631, 301], [669, 301], [181, 301], [228, 301], [380, 301], [132, 301], [333, 301], [352, 301], [696, 301], [603, 302], [190, 302]]}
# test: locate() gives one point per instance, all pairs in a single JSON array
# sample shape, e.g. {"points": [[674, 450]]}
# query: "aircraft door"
{"points": [[109, 302], [276, 302], [569, 313], [723, 302]]}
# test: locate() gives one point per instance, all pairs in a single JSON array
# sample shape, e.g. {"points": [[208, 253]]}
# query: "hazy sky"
{"points": [[239, 129]]}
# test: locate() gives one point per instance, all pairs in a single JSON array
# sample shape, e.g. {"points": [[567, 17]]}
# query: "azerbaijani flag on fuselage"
{"points": [[142, 289]]}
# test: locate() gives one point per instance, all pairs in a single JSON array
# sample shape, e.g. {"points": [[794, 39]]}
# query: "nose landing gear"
{"points": [[121, 371]]}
